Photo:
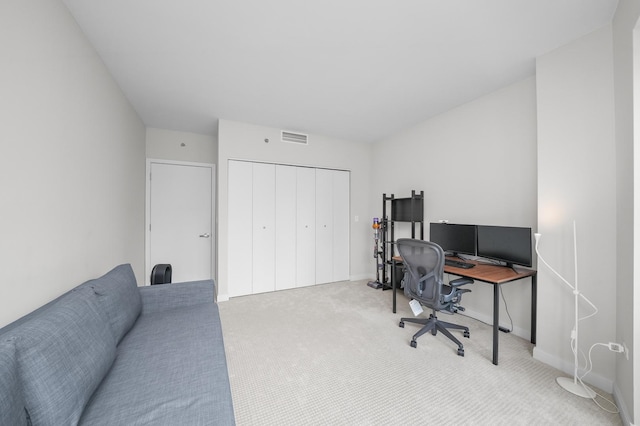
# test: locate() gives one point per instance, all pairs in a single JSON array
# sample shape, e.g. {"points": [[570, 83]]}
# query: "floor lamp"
{"points": [[574, 385]]}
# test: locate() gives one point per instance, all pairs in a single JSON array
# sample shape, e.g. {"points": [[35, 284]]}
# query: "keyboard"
{"points": [[458, 264]]}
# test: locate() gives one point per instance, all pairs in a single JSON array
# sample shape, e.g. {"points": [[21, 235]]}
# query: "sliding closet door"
{"points": [[240, 237], [324, 226], [341, 215], [288, 227], [285, 248], [264, 227], [305, 226], [332, 226]]}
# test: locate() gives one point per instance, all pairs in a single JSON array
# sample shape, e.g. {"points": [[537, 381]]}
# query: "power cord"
{"points": [[506, 307], [589, 364]]}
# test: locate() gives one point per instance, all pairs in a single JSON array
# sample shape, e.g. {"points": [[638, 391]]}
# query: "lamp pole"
{"points": [[574, 386]]}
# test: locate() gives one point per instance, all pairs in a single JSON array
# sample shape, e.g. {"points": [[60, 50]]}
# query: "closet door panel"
{"points": [[324, 226], [240, 237], [264, 232], [341, 220], [285, 248], [305, 227]]}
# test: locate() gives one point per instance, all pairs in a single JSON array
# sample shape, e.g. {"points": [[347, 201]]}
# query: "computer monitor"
{"points": [[508, 244], [454, 238]]}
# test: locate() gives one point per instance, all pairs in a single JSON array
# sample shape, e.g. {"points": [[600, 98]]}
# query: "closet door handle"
{"points": [[205, 235]]}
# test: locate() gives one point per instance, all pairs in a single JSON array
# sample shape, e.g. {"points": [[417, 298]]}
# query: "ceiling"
{"points": [[358, 70]]}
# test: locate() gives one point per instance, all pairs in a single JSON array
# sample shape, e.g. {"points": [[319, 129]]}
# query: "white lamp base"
{"points": [[576, 388]]}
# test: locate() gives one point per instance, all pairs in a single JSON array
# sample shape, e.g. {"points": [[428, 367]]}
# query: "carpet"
{"points": [[333, 354]]}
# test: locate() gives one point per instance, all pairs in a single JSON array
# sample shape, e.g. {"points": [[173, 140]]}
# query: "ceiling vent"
{"points": [[299, 138]]}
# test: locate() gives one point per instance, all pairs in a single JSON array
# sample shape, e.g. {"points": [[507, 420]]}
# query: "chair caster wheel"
{"points": [[414, 344], [461, 352], [401, 325], [466, 334]]}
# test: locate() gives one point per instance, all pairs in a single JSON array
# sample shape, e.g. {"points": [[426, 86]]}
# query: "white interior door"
{"points": [[180, 230]]}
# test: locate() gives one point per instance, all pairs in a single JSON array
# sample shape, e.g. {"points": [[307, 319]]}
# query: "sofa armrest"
{"points": [[168, 296]]}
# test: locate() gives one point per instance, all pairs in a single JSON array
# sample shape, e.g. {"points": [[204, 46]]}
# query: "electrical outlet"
{"points": [[616, 347]]}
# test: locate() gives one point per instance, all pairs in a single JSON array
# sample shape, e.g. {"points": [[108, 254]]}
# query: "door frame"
{"points": [[147, 234]]}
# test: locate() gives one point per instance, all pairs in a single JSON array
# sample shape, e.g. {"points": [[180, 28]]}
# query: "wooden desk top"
{"points": [[493, 274]]}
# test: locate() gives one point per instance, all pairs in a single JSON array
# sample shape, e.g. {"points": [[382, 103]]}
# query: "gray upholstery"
{"points": [[11, 401], [119, 298], [177, 358], [163, 297], [62, 358], [423, 281]]}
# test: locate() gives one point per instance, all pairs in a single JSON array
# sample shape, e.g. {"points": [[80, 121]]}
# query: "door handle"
{"points": [[205, 235]]}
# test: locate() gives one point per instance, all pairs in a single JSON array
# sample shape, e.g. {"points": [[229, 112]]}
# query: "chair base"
{"points": [[434, 325]]}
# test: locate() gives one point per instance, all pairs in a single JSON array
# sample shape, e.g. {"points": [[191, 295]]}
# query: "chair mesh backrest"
{"points": [[424, 264]]}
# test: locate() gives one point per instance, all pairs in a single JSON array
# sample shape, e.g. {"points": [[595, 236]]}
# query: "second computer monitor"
{"points": [[454, 238], [508, 244]]}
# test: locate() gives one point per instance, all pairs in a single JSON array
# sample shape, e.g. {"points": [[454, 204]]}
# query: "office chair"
{"points": [[161, 274], [423, 281]]}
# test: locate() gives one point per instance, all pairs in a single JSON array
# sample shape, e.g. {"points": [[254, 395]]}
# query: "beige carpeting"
{"points": [[333, 354]]}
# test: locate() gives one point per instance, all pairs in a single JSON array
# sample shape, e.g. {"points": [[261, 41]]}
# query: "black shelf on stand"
{"points": [[409, 210]]}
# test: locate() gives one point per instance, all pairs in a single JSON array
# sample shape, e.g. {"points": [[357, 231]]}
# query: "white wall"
{"points": [[577, 181], [181, 146], [628, 374], [626, 53], [246, 142], [476, 164], [72, 162]]}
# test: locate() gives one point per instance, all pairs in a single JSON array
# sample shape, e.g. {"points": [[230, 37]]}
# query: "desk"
{"points": [[491, 274]]}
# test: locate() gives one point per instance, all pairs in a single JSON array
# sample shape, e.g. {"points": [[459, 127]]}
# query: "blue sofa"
{"points": [[111, 353]]}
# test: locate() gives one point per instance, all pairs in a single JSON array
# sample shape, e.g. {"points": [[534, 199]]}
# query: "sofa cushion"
{"points": [[11, 401], [63, 355], [119, 297], [170, 370]]}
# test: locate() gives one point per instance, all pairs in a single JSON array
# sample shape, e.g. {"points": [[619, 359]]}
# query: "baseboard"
{"points": [[359, 277], [488, 319], [567, 368], [223, 297], [622, 407]]}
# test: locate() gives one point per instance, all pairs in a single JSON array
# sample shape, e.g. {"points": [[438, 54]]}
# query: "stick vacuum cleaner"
{"points": [[376, 254]]}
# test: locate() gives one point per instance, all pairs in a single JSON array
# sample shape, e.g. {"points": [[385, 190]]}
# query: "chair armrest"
{"points": [[460, 281], [168, 296]]}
